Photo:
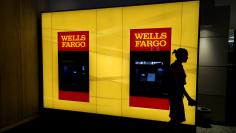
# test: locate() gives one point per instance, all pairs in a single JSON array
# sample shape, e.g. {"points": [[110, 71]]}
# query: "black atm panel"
{"points": [[148, 73]]}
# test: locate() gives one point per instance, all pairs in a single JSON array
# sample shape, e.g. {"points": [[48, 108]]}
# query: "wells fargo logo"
{"points": [[73, 41], [153, 39]]}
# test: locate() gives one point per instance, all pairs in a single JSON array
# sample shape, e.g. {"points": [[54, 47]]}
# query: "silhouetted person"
{"points": [[176, 88]]}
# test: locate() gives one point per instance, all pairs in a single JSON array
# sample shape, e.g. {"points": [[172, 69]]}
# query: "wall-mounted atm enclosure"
{"points": [[113, 60]]}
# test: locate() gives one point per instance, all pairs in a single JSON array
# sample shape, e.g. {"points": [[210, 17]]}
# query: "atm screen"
{"points": [[151, 77], [149, 71], [73, 71]]}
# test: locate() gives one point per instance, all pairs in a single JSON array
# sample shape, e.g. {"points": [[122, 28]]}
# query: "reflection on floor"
{"points": [[217, 129]]}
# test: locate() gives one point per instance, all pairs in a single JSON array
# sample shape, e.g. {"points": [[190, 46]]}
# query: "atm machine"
{"points": [[73, 71], [148, 74], [73, 66], [149, 62]]}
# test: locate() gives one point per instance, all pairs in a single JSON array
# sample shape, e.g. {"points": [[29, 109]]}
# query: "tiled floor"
{"points": [[217, 129]]}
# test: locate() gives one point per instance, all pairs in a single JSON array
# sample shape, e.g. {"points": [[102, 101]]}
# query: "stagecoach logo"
{"points": [[73, 41], [153, 39]]}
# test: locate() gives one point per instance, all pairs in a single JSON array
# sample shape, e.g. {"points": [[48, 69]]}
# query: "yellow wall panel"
{"points": [[109, 66], [61, 22], [125, 78], [109, 52], [189, 114], [108, 89], [46, 21], [190, 86], [92, 73], [47, 60], [109, 31], [109, 106], [192, 55], [151, 16], [189, 26], [74, 20], [191, 71]]}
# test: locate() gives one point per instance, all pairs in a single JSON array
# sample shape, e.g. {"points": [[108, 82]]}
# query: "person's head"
{"points": [[181, 54]]}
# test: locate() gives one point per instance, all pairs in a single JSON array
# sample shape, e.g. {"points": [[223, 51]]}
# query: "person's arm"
{"points": [[191, 101]]}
